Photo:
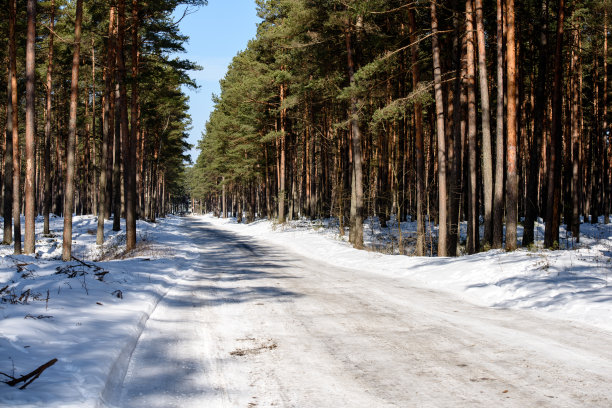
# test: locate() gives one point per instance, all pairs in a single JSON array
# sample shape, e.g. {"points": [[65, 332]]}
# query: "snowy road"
{"points": [[255, 326]]}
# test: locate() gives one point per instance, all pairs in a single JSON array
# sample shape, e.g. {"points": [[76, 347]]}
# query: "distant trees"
{"points": [[69, 168], [337, 106]]}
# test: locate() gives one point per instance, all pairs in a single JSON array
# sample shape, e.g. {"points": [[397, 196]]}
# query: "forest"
{"points": [[490, 112], [94, 114]]}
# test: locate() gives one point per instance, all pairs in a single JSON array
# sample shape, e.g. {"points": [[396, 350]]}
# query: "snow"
{"points": [[573, 284], [93, 323]]}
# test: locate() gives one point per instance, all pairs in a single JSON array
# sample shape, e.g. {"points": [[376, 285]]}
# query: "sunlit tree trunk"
{"points": [[487, 160], [107, 126], [356, 224], [442, 199], [473, 241], [72, 128], [30, 137], [512, 138]]}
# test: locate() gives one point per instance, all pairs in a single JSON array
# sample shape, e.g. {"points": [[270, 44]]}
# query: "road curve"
{"points": [[257, 326]]}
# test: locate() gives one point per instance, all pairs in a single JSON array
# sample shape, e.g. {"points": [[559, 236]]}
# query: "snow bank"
{"points": [[88, 314]]}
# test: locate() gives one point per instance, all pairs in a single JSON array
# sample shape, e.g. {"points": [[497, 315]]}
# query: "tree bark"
{"points": [[11, 126], [487, 160], [551, 232], [418, 139], [512, 139], [106, 126], [47, 151], [357, 184], [473, 241], [72, 128], [498, 198], [576, 136], [131, 135], [15, 129], [442, 198], [30, 137]]}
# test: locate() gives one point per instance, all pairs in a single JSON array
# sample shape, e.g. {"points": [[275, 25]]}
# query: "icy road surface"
{"points": [[256, 326]]}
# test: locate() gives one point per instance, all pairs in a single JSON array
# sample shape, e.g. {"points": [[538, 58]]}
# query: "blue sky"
{"points": [[216, 33]]}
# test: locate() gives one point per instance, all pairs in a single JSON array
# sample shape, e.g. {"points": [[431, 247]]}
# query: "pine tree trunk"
{"points": [[551, 232], [128, 139], [72, 128], [498, 197], [116, 153], [282, 194], [607, 155], [47, 147], [357, 184], [15, 132], [442, 199], [487, 160], [576, 137], [531, 203], [106, 126], [418, 136], [473, 241], [30, 137], [10, 128], [512, 195]]}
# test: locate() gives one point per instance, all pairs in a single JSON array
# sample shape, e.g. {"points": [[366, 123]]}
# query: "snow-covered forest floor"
{"points": [[89, 313]]}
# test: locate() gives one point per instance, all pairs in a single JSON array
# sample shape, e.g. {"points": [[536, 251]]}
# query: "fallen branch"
{"points": [[29, 378]]}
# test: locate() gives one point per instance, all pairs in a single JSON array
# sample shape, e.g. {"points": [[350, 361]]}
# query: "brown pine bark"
{"points": [[356, 224], [418, 139], [473, 241], [282, 168], [30, 137], [47, 147], [107, 126], [576, 136], [11, 125], [70, 145], [607, 155], [551, 232], [487, 160], [512, 195], [442, 196], [16, 149], [498, 196], [131, 135]]}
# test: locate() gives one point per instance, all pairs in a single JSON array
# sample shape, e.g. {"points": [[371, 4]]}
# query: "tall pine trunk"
{"points": [[418, 139], [356, 225], [512, 195], [487, 160], [11, 127], [442, 199], [30, 137], [47, 147], [15, 132], [551, 232], [106, 126], [498, 196], [473, 241], [72, 128]]}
